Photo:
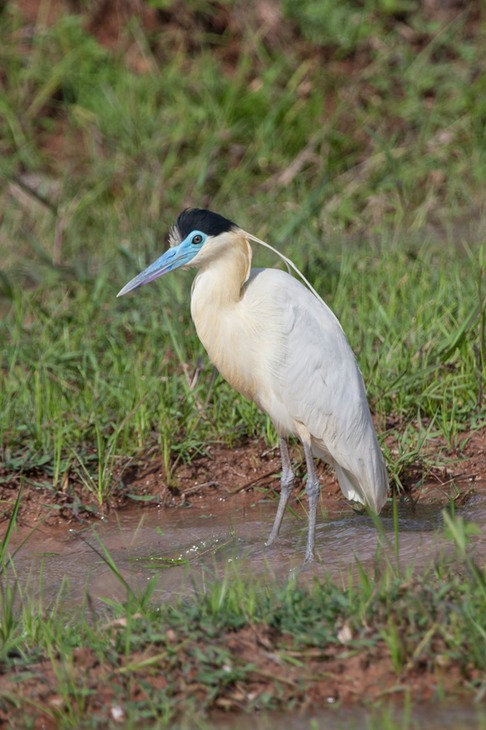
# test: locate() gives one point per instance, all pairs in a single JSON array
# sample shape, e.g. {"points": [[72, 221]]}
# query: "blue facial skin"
{"points": [[172, 259]]}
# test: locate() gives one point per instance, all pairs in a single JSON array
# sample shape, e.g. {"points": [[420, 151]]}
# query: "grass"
{"points": [[351, 137], [247, 643], [372, 178], [88, 379]]}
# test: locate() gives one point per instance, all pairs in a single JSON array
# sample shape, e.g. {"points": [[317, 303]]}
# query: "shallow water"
{"points": [[185, 547], [445, 716], [204, 541]]}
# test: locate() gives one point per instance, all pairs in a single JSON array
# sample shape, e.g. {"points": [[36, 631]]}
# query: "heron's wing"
{"points": [[320, 375], [323, 389]]}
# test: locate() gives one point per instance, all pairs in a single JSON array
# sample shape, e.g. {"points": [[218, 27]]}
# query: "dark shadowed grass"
{"points": [[385, 132]]}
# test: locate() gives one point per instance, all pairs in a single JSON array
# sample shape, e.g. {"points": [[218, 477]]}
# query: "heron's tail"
{"points": [[363, 480], [371, 493]]}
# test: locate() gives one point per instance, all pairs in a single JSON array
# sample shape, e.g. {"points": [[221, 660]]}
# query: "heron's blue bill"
{"points": [[172, 259]]}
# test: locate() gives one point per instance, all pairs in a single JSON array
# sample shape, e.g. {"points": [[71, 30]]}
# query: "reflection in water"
{"points": [[183, 546]]}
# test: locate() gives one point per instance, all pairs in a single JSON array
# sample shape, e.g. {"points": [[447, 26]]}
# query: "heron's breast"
{"points": [[246, 340], [235, 348], [248, 356]]}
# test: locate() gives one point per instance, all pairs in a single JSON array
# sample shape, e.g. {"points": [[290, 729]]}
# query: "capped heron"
{"points": [[277, 343]]}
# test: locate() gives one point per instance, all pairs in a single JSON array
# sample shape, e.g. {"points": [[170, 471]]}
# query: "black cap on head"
{"points": [[199, 219]]}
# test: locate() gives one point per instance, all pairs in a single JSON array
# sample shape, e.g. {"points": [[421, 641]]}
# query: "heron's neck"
{"points": [[220, 281], [219, 314]]}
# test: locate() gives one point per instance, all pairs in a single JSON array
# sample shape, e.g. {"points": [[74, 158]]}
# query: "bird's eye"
{"points": [[197, 238]]}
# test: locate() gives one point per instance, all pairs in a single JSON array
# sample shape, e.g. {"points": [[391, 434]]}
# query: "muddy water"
{"points": [[427, 717], [445, 716], [187, 547], [205, 541]]}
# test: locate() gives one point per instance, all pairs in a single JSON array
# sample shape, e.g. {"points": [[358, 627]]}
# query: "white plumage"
{"points": [[276, 343]]}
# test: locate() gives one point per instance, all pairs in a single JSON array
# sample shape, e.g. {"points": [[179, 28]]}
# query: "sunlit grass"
{"points": [[371, 181], [89, 379], [363, 158]]}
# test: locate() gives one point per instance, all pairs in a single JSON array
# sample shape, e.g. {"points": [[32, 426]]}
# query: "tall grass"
{"points": [[89, 378], [371, 180]]}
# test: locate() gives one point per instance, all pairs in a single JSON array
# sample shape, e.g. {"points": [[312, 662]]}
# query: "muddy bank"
{"points": [[249, 467], [395, 646]]}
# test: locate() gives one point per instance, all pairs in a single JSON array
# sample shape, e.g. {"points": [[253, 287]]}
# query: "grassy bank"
{"points": [[361, 154], [351, 136], [388, 635], [88, 380]]}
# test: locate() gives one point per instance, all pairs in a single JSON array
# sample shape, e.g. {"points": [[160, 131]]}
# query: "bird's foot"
{"points": [[271, 539], [309, 557]]}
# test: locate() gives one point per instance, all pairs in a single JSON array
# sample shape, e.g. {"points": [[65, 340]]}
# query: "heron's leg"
{"points": [[286, 484], [312, 488]]}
